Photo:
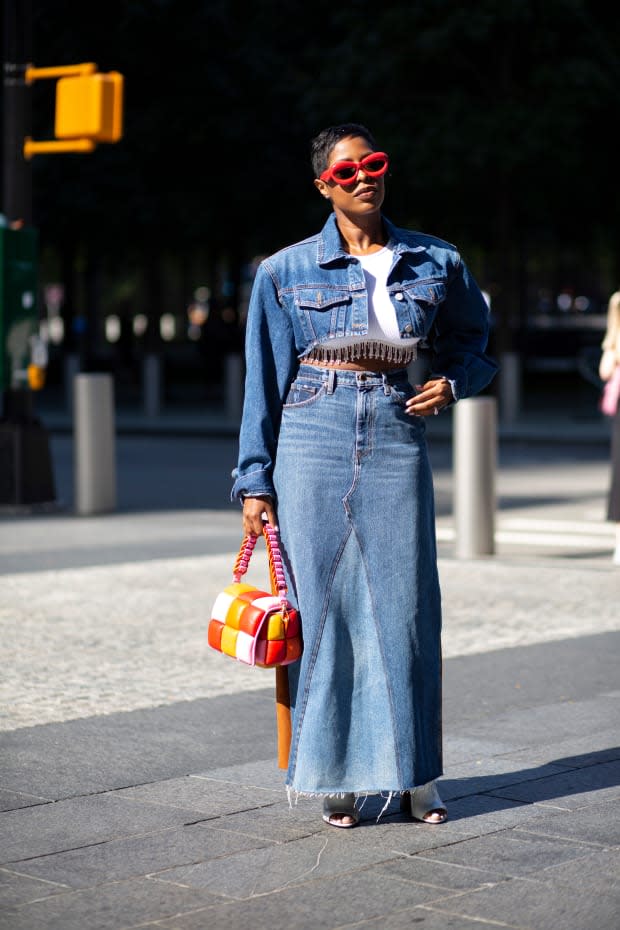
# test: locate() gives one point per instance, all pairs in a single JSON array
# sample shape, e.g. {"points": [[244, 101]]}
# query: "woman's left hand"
{"points": [[431, 398]]}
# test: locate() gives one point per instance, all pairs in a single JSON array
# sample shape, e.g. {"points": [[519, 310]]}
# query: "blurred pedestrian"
{"points": [[610, 364], [333, 441]]}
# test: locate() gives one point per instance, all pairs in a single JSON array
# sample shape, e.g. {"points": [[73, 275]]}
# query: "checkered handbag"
{"points": [[253, 626]]}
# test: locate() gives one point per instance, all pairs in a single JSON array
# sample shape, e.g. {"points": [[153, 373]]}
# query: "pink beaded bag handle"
{"points": [[276, 569]]}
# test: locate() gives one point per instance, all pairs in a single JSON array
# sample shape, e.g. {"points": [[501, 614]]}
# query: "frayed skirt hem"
{"points": [[294, 796]]}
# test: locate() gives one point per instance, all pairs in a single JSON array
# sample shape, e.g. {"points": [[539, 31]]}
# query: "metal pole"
{"points": [[475, 457], [32, 463], [71, 368], [94, 444], [17, 112], [151, 385], [509, 387]]}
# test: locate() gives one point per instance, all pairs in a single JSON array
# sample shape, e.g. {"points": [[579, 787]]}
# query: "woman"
{"points": [[610, 359], [333, 439]]}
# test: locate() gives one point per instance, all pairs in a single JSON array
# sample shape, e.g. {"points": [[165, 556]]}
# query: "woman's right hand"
{"points": [[253, 510]]}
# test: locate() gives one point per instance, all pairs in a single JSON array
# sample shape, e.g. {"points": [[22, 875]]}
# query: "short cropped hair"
{"points": [[323, 143]]}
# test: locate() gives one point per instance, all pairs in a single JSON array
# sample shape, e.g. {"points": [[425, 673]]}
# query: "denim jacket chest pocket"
{"points": [[419, 300], [323, 312]]}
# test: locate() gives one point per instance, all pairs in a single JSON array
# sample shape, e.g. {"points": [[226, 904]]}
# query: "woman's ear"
{"points": [[322, 188]]}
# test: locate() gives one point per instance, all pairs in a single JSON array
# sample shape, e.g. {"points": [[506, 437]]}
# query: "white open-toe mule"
{"points": [[341, 811], [425, 804]]}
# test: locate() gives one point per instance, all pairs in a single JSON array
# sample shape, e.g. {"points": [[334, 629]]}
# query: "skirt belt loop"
{"points": [[331, 381]]}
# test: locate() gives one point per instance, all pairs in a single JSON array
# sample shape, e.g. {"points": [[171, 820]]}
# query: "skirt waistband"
{"points": [[344, 376]]}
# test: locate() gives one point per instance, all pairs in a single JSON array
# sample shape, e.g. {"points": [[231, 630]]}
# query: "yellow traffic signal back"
{"points": [[90, 106]]}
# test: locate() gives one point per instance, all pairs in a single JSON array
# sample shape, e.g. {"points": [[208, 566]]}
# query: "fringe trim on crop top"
{"points": [[399, 355]]}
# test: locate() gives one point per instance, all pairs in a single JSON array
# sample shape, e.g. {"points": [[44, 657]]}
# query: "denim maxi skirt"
{"points": [[357, 524]]}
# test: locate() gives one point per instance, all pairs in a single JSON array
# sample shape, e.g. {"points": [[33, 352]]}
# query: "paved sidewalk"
{"points": [[137, 772]]}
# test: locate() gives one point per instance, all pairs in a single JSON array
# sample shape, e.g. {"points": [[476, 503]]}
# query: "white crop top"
{"points": [[383, 340]]}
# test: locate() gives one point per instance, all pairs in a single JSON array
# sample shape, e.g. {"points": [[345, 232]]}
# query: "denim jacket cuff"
{"points": [[256, 483]]}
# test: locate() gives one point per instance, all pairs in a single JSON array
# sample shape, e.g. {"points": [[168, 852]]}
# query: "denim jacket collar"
{"points": [[329, 243]]}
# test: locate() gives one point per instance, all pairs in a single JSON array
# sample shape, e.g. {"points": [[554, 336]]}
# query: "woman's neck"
{"points": [[361, 238]]}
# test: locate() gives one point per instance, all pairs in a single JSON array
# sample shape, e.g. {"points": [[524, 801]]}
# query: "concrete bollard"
{"points": [[234, 386], [151, 385], [94, 444], [475, 458]]}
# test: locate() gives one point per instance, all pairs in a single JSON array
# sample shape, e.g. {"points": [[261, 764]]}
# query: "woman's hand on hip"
{"points": [[253, 510], [431, 398]]}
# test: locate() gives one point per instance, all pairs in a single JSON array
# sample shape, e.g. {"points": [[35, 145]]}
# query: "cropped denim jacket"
{"points": [[313, 291]]}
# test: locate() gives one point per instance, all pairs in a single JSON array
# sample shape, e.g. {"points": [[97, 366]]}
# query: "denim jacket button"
{"points": [[399, 295], [408, 328]]}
